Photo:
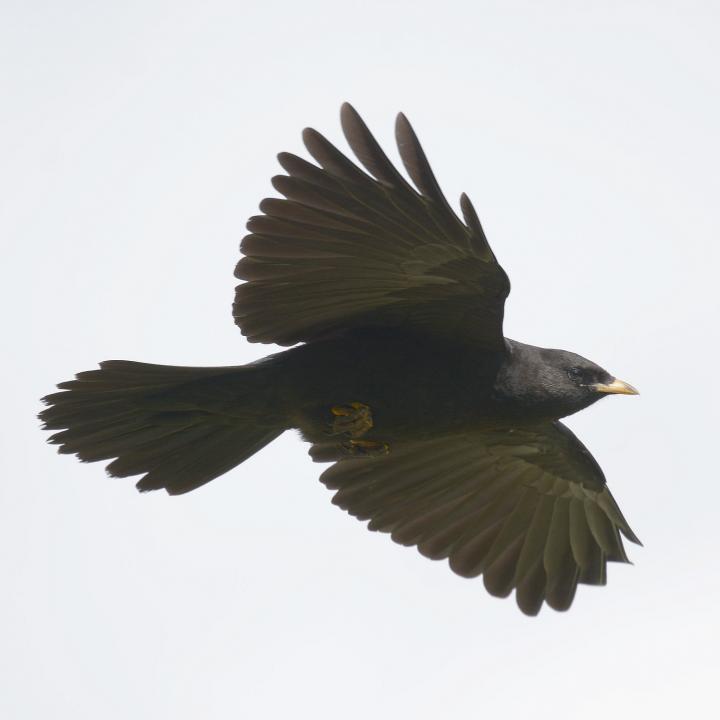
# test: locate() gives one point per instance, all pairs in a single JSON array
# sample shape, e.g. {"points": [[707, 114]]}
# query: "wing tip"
{"points": [[478, 238], [401, 119], [348, 110], [309, 135]]}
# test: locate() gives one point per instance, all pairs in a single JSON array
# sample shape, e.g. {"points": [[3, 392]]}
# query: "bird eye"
{"points": [[574, 373]]}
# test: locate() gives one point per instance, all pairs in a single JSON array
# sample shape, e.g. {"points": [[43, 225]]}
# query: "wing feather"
{"points": [[346, 250], [527, 508]]}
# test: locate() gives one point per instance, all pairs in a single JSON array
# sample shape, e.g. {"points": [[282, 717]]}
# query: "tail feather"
{"points": [[207, 458], [179, 427]]}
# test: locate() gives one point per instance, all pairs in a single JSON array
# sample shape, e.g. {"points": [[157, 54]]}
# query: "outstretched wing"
{"points": [[526, 508], [345, 250]]}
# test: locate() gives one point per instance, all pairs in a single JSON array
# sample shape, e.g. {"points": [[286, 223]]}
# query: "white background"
{"points": [[137, 137]]}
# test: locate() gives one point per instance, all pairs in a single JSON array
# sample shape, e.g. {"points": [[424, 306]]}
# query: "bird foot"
{"points": [[353, 420], [365, 448]]}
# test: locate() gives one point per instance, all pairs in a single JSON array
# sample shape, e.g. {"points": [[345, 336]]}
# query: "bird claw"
{"points": [[352, 420], [365, 448]]}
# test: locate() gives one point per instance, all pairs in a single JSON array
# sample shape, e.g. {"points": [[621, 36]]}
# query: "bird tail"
{"points": [[180, 427]]}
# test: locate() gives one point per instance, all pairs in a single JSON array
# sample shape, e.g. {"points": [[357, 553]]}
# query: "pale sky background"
{"points": [[137, 137]]}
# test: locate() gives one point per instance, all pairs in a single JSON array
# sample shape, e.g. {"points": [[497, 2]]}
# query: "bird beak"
{"points": [[616, 387]]}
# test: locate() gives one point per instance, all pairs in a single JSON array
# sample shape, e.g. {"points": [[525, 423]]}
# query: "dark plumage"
{"points": [[444, 433]]}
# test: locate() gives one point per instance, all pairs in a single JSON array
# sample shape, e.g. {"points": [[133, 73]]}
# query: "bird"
{"points": [[442, 432]]}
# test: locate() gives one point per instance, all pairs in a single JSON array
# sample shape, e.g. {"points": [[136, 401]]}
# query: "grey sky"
{"points": [[137, 137]]}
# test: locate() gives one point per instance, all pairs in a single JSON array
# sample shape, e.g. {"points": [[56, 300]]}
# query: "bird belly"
{"points": [[412, 388]]}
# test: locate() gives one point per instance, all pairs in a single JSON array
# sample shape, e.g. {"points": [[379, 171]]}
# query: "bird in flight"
{"points": [[443, 432]]}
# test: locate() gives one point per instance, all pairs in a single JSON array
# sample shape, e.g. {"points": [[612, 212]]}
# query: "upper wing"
{"points": [[527, 508], [345, 250]]}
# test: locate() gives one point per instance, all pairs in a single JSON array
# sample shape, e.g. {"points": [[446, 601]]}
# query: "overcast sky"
{"points": [[137, 137]]}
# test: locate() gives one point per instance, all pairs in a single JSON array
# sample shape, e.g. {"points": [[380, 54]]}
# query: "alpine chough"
{"points": [[443, 433]]}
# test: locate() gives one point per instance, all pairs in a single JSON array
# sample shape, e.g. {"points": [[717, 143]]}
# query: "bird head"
{"points": [[555, 383]]}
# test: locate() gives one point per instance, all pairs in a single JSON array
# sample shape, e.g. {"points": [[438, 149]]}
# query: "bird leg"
{"points": [[352, 420]]}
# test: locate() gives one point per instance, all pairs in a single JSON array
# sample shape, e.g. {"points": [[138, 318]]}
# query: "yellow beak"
{"points": [[616, 387]]}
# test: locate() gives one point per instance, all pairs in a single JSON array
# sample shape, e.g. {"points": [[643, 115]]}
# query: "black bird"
{"points": [[444, 433]]}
